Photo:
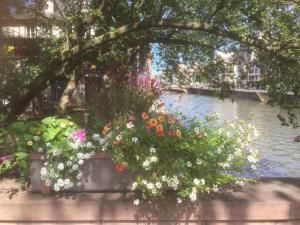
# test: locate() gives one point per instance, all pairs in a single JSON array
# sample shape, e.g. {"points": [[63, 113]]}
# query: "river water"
{"points": [[279, 154]]}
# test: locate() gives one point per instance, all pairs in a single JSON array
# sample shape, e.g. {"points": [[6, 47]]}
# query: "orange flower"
{"points": [[171, 120], [153, 122], [145, 116], [125, 164], [159, 128], [104, 132], [106, 128], [172, 133], [160, 133], [108, 125], [115, 142], [178, 133]]}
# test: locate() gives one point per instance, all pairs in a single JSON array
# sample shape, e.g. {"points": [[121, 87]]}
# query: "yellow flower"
{"points": [[178, 133], [160, 118], [125, 164], [29, 143], [170, 120]]}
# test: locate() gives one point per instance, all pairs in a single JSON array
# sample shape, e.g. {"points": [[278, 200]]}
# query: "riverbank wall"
{"points": [[258, 96]]}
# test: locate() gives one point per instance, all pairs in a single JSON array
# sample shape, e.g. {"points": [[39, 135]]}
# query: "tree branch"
{"points": [[219, 5], [72, 57]]}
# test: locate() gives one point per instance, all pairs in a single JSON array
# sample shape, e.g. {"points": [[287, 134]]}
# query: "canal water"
{"points": [[279, 154]]}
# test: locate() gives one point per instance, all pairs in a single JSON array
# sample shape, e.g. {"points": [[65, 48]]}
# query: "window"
{"points": [[31, 32]]}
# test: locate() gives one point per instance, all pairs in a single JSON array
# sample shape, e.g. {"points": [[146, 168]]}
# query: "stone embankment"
{"points": [[254, 95]]}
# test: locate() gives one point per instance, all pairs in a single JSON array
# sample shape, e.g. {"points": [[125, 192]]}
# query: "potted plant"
{"points": [[188, 156]]}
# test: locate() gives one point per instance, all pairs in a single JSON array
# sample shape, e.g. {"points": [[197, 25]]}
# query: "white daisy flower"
{"points": [[75, 167], [196, 181], [89, 144], [158, 185], [179, 200], [129, 125], [134, 139], [56, 187], [152, 150], [136, 202], [60, 166], [60, 182]]}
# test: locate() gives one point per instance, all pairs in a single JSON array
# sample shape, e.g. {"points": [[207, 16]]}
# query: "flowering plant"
{"points": [[165, 152], [162, 150], [64, 147], [67, 147], [123, 92]]}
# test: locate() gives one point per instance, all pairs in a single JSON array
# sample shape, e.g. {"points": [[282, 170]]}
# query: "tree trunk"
{"points": [[65, 99]]}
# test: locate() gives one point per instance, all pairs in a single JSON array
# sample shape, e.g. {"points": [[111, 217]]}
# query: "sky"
{"points": [[155, 68]]}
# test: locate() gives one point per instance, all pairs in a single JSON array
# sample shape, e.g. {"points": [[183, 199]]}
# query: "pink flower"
{"points": [[6, 158], [79, 134], [132, 117]]}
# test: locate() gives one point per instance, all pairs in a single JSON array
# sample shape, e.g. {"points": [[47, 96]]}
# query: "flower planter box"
{"points": [[101, 176]]}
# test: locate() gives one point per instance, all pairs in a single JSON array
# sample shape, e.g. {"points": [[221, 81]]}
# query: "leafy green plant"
{"points": [[42, 137], [26, 134], [3, 135]]}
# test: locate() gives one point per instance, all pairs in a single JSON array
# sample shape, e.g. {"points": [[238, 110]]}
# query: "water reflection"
{"points": [[280, 155]]}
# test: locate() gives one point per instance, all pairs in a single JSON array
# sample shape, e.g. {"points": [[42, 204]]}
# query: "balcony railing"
{"points": [[19, 32]]}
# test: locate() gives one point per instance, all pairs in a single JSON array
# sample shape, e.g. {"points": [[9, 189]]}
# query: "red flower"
{"points": [[115, 142], [160, 133], [172, 133], [145, 116], [147, 126], [120, 167], [159, 128]]}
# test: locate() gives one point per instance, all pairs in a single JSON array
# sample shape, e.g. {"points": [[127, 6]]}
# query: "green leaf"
{"points": [[21, 155], [50, 134], [48, 120], [27, 137], [34, 130], [19, 126]]}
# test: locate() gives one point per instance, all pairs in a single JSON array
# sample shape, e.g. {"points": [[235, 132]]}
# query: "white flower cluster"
{"points": [[158, 107], [150, 159], [172, 182], [198, 182], [129, 125], [241, 135], [67, 174], [98, 141], [134, 140], [193, 194]]}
